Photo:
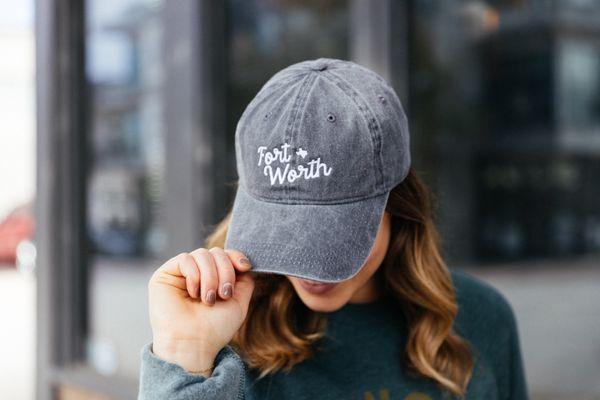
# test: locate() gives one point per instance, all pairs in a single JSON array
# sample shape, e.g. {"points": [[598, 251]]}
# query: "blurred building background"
{"points": [[17, 190], [137, 105]]}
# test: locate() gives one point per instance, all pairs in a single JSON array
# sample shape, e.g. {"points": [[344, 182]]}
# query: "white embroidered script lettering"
{"points": [[284, 172]]}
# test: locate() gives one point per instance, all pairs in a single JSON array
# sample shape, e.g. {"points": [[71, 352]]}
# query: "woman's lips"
{"points": [[315, 287]]}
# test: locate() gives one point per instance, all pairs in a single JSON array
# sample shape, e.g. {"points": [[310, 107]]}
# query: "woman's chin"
{"points": [[321, 305], [320, 299], [318, 296]]}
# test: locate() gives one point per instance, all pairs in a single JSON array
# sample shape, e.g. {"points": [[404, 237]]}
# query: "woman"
{"points": [[326, 280]]}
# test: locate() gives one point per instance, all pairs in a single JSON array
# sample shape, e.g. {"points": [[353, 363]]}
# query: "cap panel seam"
{"points": [[374, 126], [294, 133], [301, 109], [264, 92], [371, 120], [275, 101], [269, 88], [294, 109], [373, 149], [292, 121]]}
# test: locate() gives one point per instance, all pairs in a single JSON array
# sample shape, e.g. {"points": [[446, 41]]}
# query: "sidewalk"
{"points": [[557, 305], [17, 336]]}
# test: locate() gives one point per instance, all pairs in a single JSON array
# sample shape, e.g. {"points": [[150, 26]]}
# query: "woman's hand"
{"points": [[197, 304]]}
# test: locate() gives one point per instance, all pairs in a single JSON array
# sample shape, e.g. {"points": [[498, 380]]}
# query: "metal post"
{"points": [[60, 208]]}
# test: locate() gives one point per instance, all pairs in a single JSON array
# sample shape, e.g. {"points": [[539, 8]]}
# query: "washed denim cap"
{"points": [[318, 150]]}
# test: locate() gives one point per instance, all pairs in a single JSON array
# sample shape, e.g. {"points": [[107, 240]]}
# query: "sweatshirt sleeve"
{"points": [[518, 384], [162, 380]]}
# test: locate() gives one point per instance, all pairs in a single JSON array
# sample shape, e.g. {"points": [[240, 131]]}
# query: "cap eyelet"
{"points": [[267, 115], [330, 117], [382, 99]]}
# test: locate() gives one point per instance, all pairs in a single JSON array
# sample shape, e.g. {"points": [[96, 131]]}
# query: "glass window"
{"points": [[124, 72], [579, 86], [496, 89]]}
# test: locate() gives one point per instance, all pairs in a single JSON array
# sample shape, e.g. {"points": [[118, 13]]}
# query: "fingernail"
{"points": [[227, 290], [211, 297], [245, 261]]}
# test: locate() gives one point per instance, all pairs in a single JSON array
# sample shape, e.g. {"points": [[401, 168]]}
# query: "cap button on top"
{"points": [[319, 65]]}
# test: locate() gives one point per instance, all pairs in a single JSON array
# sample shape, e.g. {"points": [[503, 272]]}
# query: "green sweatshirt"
{"points": [[361, 358]]}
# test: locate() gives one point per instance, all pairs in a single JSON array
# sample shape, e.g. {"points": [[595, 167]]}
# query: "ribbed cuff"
{"points": [[160, 379]]}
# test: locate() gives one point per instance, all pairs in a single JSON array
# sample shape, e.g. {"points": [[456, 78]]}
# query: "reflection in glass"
{"points": [[579, 85], [124, 73], [505, 113]]}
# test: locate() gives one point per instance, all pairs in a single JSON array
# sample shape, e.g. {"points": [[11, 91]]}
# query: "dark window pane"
{"points": [[579, 86], [124, 72], [505, 114]]}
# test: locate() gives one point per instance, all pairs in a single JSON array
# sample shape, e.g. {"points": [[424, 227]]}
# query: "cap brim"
{"points": [[322, 242]]}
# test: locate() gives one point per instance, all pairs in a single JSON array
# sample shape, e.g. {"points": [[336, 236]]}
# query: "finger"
{"points": [[208, 275], [239, 260], [225, 272], [192, 274], [171, 267], [178, 272]]}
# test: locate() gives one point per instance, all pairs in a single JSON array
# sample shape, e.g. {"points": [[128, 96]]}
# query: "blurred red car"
{"points": [[18, 225]]}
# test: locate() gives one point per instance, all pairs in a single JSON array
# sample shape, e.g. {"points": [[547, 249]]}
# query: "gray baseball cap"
{"points": [[318, 150]]}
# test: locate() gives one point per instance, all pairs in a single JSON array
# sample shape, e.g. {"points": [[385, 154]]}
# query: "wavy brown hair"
{"points": [[280, 331]]}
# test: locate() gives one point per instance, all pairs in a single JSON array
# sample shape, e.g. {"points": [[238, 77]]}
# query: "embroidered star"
{"points": [[301, 152]]}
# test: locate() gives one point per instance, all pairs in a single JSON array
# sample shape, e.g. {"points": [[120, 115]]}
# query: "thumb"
{"points": [[244, 286], [239, 260]]}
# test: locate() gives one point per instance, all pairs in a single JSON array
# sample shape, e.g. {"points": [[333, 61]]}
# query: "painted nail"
{"points": [[227, 290], [211, 297]]}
